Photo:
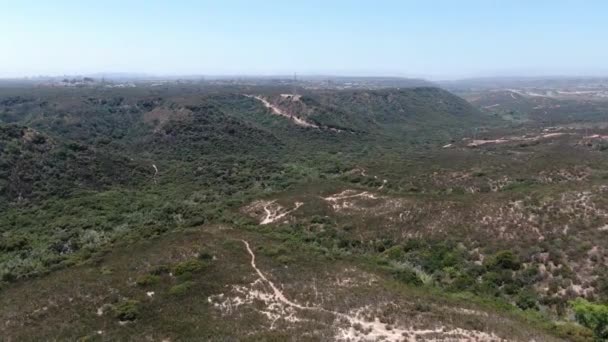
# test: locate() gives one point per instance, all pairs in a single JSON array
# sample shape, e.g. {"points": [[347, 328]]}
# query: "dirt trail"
{"points": [[277, 293], [155, 172], [349, 194], [384, 181], [346, 200], [273, 216], [278, 111], [476, 143], [364, 330]]}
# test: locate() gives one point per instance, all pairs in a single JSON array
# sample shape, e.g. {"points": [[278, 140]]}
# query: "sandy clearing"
{"points": [[269, 211], [551, 135], [526, 94], [597, 136], [349, 194], [293, 97], [475, 143], [275, 215], [339, 201]]}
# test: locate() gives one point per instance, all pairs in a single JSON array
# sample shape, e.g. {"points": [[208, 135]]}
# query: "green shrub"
{"points": [[106, 270], [285, 259], [205, 256], [407, 276], [503, 260], [526, 300], [463, 282], [395, 253], [592, 316], [13, 243], [160, 269], [528, 276], [180, 289], [127, 310], [573, 332], [147, 280], [188, 266], [273, 251]]}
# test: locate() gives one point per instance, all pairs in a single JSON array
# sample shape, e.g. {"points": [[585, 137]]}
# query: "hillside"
{"points": [[392, 111], [218, 212]]}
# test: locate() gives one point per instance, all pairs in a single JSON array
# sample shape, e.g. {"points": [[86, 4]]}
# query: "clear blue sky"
{"points": [[436, 39]]}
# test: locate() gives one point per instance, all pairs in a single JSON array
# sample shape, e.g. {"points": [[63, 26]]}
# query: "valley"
{"points": [[369, 210]]}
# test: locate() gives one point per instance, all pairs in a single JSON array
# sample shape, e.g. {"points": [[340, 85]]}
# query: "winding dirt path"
{"points": [[349, 194], [273, 216], [155, 172], [277, 293], [364, 330], [278, 111]]}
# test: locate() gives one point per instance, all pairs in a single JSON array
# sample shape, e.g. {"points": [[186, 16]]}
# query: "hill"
{"points": [[184, 211]]}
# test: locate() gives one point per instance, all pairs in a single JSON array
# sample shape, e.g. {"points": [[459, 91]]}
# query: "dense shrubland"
{"points": [[82, 170]]}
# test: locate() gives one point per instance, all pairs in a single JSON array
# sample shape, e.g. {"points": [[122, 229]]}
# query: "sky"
{"points": [[434, 39]]}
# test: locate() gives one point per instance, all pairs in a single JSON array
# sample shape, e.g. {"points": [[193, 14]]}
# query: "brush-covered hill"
{"points": [[210, 147], [386, 112], [190, 211]]}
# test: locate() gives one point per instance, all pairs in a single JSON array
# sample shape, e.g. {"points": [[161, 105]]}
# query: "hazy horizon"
{"points": [[435, 40], [148, 76]]}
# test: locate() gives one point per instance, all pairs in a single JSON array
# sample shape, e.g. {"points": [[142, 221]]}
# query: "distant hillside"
{"points": [[386, 112], [534, 106], [489, 83]]}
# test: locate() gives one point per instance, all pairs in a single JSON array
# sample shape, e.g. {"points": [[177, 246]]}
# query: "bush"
{"points": [[395, 253], [505, 260], [13, 243], [205, 256], [160, 269], [573, 332], [526, 300], [147, 280], [407, 276], [592, 316], [188, 266], [462, 282], [528, 276], [285, 259], [602, 285], [127, 310], [180, 289]]}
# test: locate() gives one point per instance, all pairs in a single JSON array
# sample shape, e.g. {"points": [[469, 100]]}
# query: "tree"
{"points": [[592, 316]]}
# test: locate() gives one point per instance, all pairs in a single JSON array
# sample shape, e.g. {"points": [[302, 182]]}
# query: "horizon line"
{"points": [[143, 75]]}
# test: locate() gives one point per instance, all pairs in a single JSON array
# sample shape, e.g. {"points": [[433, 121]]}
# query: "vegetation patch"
{"points": [[127, 310]]}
